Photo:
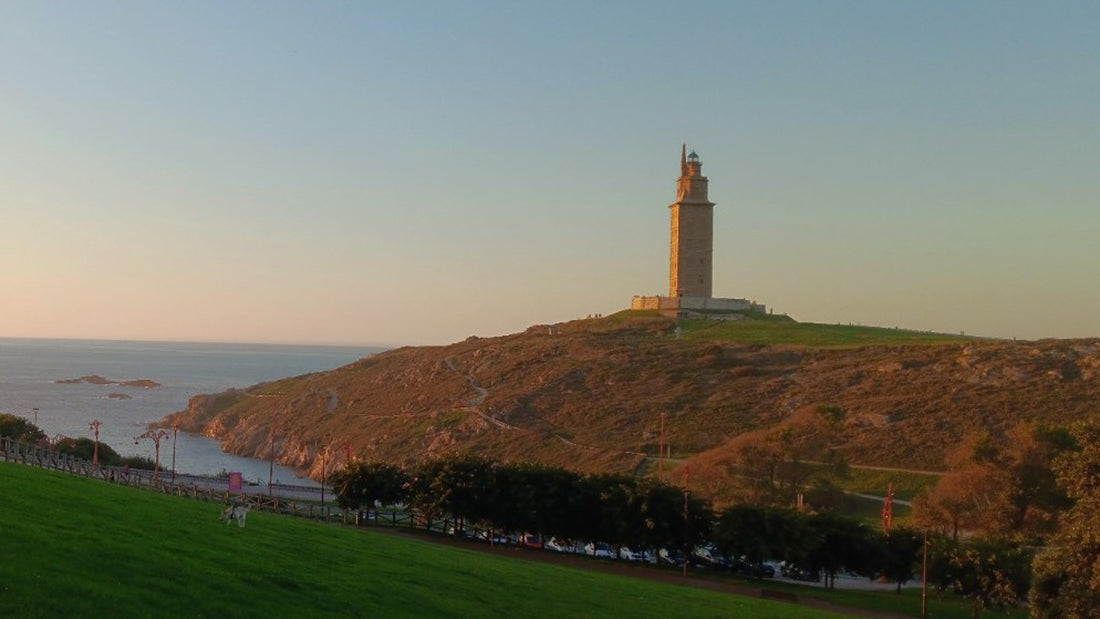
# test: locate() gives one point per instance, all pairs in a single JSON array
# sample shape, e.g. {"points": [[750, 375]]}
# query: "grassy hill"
{"points": [[591, 395], [73, 547], [774, 330]]}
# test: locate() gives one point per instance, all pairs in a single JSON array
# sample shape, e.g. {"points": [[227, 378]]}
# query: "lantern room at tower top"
{"points": [[691, 251]]}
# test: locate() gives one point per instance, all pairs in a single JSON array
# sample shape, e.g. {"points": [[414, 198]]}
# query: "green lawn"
{"points": [[773, 332], [906, 485], [74, 547], [768, 329]]}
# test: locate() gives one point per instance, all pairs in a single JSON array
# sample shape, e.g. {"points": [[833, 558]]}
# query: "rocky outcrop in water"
{"points": [[95, 379]]}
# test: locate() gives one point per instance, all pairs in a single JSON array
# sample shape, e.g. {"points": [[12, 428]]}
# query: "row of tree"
{"points": [[552, 502], [625, 512], [1045, 483]]}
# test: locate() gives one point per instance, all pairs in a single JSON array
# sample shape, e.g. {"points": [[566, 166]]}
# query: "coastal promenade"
{"points": [[210, 487]]}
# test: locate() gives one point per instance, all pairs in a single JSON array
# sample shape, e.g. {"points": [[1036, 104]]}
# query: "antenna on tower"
{"points": [[683, 159]]}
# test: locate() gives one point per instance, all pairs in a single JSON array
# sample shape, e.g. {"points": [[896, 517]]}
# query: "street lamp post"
{"points": [[924, 580], [661, 452], [175, 432], [687, 525], [94, 426], [271, 466], [155, 436], [324, 448]]}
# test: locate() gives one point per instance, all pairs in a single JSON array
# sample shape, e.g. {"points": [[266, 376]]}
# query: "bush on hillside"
{"points": [[20, 429], [139, 462], [84, 448]]}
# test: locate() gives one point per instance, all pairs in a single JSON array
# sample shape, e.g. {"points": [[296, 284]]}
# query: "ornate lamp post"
{"points": [[155, 435], [94, 426], [175, 431]]}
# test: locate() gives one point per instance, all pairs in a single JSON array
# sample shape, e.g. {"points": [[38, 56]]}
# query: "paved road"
{"points": [[221, 484]]}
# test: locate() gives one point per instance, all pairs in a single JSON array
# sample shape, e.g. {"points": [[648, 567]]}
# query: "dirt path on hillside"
{"points": [[473, 405], [629, 570], [474, 402]]}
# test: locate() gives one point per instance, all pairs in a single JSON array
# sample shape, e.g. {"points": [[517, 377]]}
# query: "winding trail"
{"points": [[473, 404]]}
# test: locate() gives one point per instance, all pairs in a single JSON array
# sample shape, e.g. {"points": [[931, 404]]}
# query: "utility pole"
{"points": [[924, 580], [324, 448], [888, 510], [687, 527], [661, 452], [94, 426], [175, 432], [271, 466]]}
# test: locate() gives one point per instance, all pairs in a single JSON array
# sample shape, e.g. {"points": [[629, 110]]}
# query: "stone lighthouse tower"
{"points": [[690, 259], [692, 230]]}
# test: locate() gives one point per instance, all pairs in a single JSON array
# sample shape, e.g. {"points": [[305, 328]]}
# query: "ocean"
{"points": [[30, 369]]}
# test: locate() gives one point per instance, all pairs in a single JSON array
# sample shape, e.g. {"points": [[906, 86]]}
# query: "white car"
{"points": [[598, 549]]}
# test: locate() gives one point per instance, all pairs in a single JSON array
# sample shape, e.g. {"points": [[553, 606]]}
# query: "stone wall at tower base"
{"points": [[696, 304]]}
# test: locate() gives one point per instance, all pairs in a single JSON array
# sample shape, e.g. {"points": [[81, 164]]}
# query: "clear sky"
{"points": [[415, 173]]}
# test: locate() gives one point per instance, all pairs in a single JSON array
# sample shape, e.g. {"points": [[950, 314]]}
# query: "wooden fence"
{"points": [[47, 458]]}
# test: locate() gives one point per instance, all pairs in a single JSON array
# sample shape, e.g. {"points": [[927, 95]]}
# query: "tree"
{"points": [[364, 484], [664, 521], [839, 544], [457, 485], [1036, 499], [84, 448], [760, 533], [973, 495], [1004, 489], [620, 519], [990, 572], [1067, 573], [139, 462], [20, 429], [899, 555]]}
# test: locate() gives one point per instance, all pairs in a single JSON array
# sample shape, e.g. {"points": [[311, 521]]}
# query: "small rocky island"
{"points": [[95, 379], [119, 396]]}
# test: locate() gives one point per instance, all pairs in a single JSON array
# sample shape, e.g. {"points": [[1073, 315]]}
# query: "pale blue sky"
{"points": [[408, 173]]}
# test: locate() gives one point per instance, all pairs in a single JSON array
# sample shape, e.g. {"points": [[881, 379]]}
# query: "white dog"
{"points": [[236, 512]]}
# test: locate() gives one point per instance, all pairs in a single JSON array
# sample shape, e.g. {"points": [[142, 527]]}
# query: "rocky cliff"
{"points": [[589, 395]]}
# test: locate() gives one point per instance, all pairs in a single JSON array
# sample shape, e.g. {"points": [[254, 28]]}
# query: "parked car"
{"points": [[710, 557], [790, 570], [635, 555], [530, 540], [598, 549], [667, 556], [753, 570], [558, 545]]}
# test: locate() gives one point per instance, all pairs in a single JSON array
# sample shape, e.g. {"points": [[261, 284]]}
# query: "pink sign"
{"points": [[235, 482]]}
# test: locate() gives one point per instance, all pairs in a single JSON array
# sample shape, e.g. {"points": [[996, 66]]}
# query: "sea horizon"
{"points": [[31, 368], [184, 341]]}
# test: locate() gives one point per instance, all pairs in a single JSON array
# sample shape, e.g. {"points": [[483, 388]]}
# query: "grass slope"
{"points": [[812, 335], [762, 329], [74, 547]]}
